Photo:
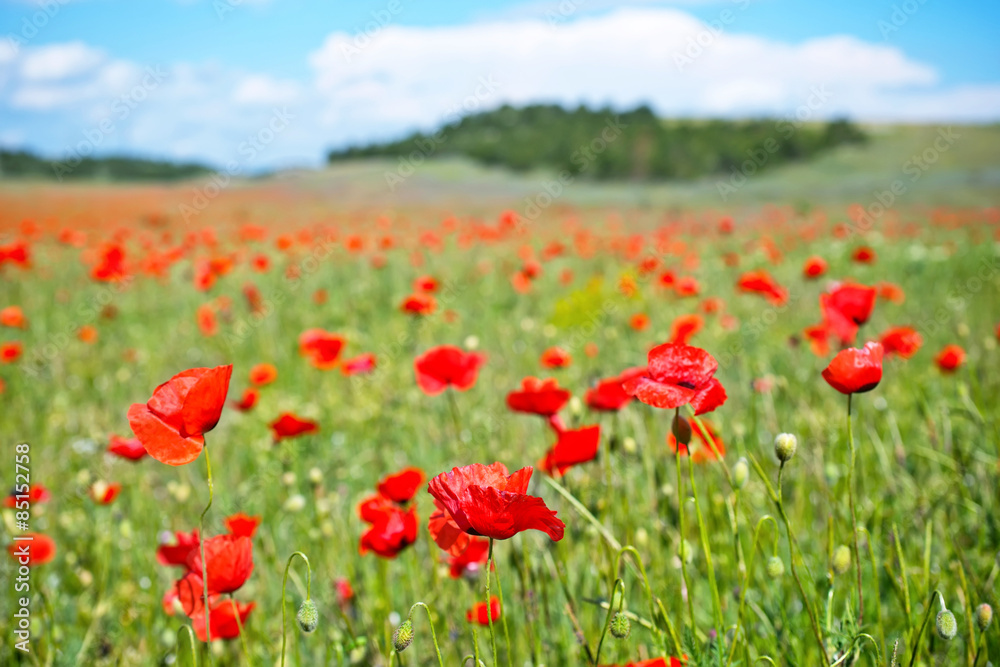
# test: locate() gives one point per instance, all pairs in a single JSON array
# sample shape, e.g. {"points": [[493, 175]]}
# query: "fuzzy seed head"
{"points": [[620, 626], [741, 473], [784, 446], [308, 616], [403, 636], [841, 559], [947, 626], [775, 567], [984, 616]]}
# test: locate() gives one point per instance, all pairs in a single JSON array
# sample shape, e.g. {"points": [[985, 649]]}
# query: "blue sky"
{"points": [[199, 79]]}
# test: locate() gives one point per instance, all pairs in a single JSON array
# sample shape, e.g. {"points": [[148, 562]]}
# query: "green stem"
{"points": [[746, 581], [584, 512], [649, 595], [689, 594], [284, 585], [854, 518], [430, 622], [503, 612], [927, 616], [191, 642], [607, 618], [489, 609], [201, 544], [703, 532], [239, 629]]}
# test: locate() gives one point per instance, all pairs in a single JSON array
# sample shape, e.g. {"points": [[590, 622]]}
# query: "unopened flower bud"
{"points": [[947, 626], [741, 473], [308, 616], [784, 447], [403, 636], [841, 559], [775, 567], [620, 626], [984, 616], [681, 429]]}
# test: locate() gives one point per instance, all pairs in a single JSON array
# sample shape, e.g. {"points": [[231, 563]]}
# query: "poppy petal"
{"points": [[161, 441]]}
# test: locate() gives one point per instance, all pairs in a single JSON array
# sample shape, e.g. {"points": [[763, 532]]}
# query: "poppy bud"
{"points": [[620, 626], [681, 429], [784, 447], [741, 473], [947, 626], [775, 567], [308, 616], [403, 636], [984, 616], [841, 559]]}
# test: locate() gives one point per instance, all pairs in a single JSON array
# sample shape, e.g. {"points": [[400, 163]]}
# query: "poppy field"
{"points": [[277, 433]]}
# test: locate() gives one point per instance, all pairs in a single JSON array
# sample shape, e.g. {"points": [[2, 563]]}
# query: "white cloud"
{"points": [[59, 61], [265, 90], [661, 56]]}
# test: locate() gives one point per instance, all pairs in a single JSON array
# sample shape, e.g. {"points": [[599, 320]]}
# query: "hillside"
{"points": [[606, 145]]}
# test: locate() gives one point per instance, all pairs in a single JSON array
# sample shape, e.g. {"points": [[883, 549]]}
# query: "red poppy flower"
{"points": [[950, 358], [855, 371], [478, 612], [761, 282], [556, 357], [322, 348], [400, 487], [222, 619], [32, 549], [687, 286], [13, 316], [18, 253], [572, 448], [127, 448], [242, 525], [87, 333], [891, 292], [104, 493], [679, 375], [655, 662], [248, 400], [177, 554], [447, 366], [904, 341], [36, 494], [344, 590], [228, 562], [814, 267], [10, 352], [609, 395], [639, 321], [487, 501], [207, 322], [667, 279], [863, 255], [110, 264], [702, 451], [474, 555], [172, 425], [359, 365], [850, 302], [392, 527], [538, 397], [288, 425], [418, 304], [684, 327], [818, 336], [263, 374], [427, 284]]}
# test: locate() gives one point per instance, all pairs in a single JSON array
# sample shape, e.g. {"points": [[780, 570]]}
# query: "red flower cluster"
{"points": [[393, 520]]}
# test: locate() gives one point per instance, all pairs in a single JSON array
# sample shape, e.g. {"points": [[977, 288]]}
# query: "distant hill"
{"points": [[605, 145], [21, 164]]}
